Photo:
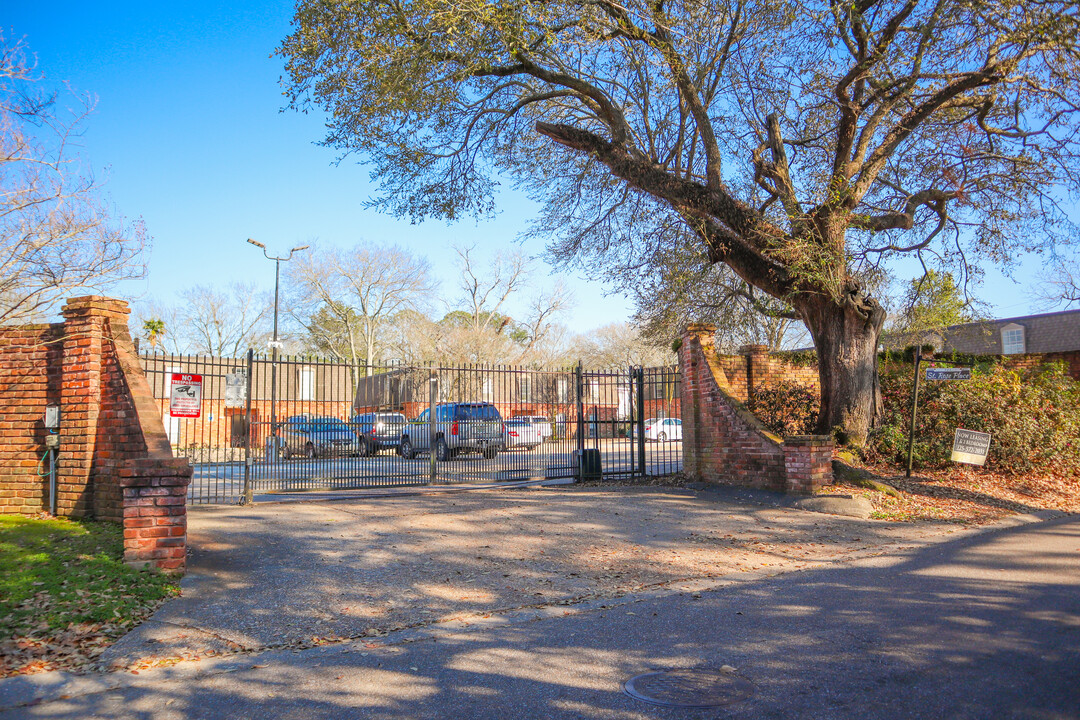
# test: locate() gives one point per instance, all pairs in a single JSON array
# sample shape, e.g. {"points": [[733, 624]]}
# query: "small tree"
{"points": [[931, 302], [620, 345], [224, 323], [1059, 283], [343, 298], [57, 233], [207, 320], [153, 331], [485, 333]]}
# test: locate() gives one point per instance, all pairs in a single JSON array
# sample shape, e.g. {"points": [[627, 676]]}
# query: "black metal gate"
{"points": [[305, 423]]}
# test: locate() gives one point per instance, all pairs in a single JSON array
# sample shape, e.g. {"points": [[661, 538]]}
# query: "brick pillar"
{"points": [[690, 401], [757, 367], [808, 462], [155, 517], [80, 399]]}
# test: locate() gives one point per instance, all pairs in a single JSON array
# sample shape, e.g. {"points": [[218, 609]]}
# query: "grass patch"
{"points": [[66, 594]]}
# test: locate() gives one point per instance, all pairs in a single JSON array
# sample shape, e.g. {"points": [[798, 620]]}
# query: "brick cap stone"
{"points": [[98, 305], [699, 329], [808, 439], [143, 472], [754, 349]]}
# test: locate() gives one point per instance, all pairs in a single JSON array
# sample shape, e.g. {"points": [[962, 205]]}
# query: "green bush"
{"points": [[786, 408], [1033, 416]]}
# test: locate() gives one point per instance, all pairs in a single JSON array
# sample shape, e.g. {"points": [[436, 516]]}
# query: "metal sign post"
{"points": [[914, 408], [248, 434], [932, 373], [638, 430], [433, 391]]}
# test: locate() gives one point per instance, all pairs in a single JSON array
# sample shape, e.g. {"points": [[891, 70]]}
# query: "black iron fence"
{"points": [[256, 425]]}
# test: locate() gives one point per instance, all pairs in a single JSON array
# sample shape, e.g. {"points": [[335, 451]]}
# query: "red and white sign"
{"points": [[185, 395]]}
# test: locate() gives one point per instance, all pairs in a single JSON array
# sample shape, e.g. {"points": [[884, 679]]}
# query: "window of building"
{"points": [[1012, 340], [307, 383], [525, 389]]}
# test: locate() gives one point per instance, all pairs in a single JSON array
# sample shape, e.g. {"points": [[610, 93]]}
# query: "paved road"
{"points": [[986, 625], [224, 481]]}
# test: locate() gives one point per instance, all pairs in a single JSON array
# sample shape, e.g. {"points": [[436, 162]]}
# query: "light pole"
{"points": [[274, 344]]}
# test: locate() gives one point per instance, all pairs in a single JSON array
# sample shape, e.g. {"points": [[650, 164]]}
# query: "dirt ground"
{"points": [[967, 495]]}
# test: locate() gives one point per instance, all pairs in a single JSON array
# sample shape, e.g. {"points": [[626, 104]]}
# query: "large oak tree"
{"points": [[802, 144]]}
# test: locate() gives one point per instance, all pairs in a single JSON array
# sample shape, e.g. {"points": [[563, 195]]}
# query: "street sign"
{"points": [[185, 395], [936, 373], [235, 390], [970, 446]]}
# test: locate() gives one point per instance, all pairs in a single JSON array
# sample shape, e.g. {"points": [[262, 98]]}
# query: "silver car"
{"points": [[459, 427]]}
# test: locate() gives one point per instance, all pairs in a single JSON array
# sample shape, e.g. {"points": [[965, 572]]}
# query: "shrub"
{"points": [[786, 408], [1032, 414]]}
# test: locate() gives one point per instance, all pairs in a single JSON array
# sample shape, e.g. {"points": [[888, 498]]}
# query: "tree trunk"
{"points": [[846, 337]]}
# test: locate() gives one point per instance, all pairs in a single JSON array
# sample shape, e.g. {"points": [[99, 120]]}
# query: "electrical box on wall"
{"points": [[52, 417]]}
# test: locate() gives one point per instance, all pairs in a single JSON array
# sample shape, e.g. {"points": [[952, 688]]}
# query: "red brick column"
{"points": [[80, 396], [155, 517], [808, 462], [29, 381], [757, 368], [722, 441]]}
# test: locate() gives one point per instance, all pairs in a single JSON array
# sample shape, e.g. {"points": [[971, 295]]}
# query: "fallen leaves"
{"points": [[66, 594], [968, 495]]}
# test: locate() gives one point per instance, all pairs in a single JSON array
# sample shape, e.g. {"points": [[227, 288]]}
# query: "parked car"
{"points": [[662, 429], [313, 436], [522, 433], [541, 423], [378, 430], [459, 427]]}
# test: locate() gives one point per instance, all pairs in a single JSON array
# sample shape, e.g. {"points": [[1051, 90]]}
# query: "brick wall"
{"points": [[30, 376], [723, 442], [754, 367], [114, 461], [1071, 360]]}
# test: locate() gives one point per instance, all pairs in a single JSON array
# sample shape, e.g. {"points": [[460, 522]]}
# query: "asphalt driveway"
{"points": [[978, 624], [303, 574]]}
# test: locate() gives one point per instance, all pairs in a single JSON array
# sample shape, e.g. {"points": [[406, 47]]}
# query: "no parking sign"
{"points": [[185, 395]]}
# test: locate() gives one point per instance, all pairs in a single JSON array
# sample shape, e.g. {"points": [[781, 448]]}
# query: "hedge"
{"points": [[1032, 414]]}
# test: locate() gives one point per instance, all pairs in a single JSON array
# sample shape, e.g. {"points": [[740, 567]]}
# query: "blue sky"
{"points": [[189, 133]]}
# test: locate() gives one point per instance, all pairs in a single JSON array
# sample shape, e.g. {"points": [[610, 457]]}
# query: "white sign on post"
{"points": [[936, 373], [185, 395], [970, 446], [235, 390]]}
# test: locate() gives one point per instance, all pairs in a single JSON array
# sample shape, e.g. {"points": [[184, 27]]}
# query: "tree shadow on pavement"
{"points": [[986, 625]]}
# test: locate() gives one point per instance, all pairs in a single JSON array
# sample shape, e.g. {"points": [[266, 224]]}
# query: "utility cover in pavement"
{"points": [[702, 688]]}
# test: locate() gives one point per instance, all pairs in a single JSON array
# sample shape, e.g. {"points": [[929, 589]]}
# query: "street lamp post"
{"points": [[274, 344]]}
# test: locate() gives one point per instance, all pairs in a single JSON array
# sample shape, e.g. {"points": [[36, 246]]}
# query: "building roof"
{"points": [[1043, 333]]}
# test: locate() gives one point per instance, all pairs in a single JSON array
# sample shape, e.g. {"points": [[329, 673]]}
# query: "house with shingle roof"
{"points": [[1056, 332], [1024, 341]]}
